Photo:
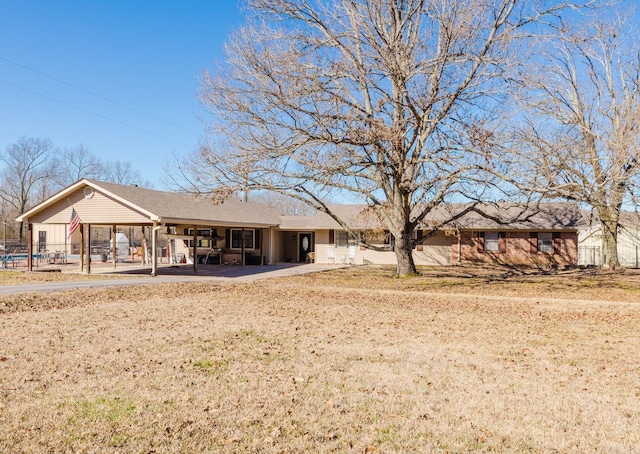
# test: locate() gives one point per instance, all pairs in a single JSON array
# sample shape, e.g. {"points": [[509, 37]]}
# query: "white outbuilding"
{"points": [[122, 246], [590, 244]]}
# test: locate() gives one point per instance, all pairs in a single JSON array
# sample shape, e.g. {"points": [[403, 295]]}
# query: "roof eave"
{"points": [[213, 223]]}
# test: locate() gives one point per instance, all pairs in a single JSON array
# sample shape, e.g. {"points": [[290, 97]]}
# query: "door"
{"points": [[304, 246]]}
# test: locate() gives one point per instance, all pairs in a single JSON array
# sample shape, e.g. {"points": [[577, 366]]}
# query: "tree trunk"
{"points": [[610, 243], [404, 254]]}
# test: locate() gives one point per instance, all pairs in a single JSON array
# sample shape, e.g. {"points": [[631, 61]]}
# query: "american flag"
{"points": [[74, 223]]}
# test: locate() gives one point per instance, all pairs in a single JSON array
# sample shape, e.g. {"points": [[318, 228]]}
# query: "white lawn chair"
{"points": [[331, 254], [351, 260]]}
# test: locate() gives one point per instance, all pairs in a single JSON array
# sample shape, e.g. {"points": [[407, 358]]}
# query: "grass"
{"points": [[10, 277], [346, 361]]}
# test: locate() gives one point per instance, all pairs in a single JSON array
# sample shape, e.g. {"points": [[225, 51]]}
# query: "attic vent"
{"points": [[88, 192]]}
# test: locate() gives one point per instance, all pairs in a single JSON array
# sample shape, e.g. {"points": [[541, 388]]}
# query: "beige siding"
{"points": [[322, 240], [56, 237], [436, 251], [629, 247], [92, 210]]}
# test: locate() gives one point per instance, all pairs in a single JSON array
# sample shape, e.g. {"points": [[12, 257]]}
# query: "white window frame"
{"points": [[249, 239], [545, 242], [492, 241]]}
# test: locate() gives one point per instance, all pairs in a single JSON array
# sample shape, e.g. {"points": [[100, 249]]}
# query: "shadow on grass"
{"points": [[503, 272]]}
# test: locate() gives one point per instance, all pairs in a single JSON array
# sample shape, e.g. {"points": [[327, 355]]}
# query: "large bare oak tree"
{"points": [[393, 103], [583, 138]]}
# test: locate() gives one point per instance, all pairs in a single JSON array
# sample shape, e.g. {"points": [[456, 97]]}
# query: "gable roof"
{"points": [[168, 207], [489, 216], [174, 206], [151, 206]]}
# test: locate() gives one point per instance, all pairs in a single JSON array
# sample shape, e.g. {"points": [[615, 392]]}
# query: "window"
{"points": [[344, 239], [492, 241], [236, 239], [545, 242], [203, 242], [42, 241]]}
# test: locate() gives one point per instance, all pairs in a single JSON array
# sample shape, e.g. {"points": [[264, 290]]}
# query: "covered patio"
{"points": [[234, 232]]}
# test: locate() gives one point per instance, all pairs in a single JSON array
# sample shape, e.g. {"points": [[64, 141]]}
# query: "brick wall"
{"points": [[517, 248]]}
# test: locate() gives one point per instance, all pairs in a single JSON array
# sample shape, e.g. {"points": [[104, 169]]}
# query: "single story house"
{"points": [[235, 232], [493, 233]]}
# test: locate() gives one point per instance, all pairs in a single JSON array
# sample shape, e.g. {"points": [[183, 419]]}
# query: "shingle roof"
{"points": [[172, 205], [355, 216], [500, 216], [511, 216]]}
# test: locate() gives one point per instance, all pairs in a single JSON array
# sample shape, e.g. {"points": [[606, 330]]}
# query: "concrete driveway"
{"points": [[136, 275]]}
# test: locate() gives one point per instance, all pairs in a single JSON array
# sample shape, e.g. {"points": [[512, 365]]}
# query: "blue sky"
{"points": [[144, 57]]}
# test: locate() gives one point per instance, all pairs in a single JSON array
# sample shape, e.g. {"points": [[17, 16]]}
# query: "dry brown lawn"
{"points": [[11, 277], [352, 360]]}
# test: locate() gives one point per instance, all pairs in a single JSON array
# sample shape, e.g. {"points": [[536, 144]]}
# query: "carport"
{"points": [[100, 203]]}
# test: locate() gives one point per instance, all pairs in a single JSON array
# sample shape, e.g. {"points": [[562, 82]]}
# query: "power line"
{"points": [[93, 113], [104, 98]]}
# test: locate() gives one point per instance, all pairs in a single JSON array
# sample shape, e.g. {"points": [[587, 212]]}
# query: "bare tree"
{"points": [[283, 203], [582, 140], [393, 103], [77, 163], [27, 174], [122, 173]]}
